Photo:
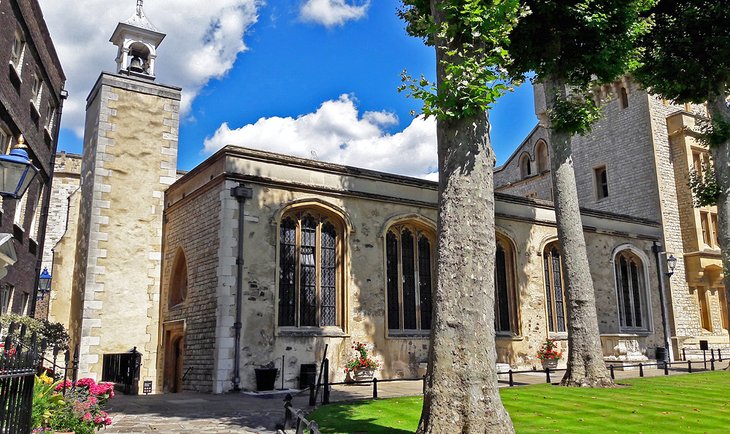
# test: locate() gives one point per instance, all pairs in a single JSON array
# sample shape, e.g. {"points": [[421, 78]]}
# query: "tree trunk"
{"points": [[586, 367], [721, 160], [462, 395]]}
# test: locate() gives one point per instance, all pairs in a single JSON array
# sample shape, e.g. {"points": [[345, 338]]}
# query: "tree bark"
{"points": [[721, 159], [461, 394], [586, 367]]}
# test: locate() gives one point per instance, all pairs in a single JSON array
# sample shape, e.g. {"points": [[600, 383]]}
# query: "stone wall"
{"points": [[193, 227], [369, 203], [130, 154]]}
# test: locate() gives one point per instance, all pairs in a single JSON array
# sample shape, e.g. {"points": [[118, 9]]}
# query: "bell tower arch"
{"points": [[137, 40]]}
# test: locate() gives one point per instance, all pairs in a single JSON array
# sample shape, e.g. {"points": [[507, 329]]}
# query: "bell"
{"points": [[136, 65]]}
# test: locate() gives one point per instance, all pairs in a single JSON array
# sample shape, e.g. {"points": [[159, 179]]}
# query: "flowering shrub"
{"points": [[549, 351], [361, 361], [7, 352], [79, 410]]}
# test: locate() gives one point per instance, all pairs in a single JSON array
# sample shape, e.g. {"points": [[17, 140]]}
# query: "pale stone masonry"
{"points": [[201, 220], [647, 160], [130, 154]]}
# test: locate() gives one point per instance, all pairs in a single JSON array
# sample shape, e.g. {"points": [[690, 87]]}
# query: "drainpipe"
{"points": [[241, 193], [657, 249]]}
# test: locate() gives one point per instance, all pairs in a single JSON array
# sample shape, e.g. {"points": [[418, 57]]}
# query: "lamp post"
{"points": [[44, 283], [671, 264], [16, 171]]}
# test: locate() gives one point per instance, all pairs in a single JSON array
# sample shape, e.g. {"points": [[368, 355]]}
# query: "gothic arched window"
{"points": [[543, 160], [631, 288], [505, 295], [410, 261], [554, 288], [310, 268], [178, 280], [525, 168]]}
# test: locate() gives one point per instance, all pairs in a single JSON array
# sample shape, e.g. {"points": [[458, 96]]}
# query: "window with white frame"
{"points": [[631, 290], [18, 50], [50, 117], [36, 89], [26, 304], [410, 262], [6, 298]]}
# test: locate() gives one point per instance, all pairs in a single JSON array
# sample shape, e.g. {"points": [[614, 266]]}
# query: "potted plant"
{"points": [[549, 354], [266, 377], [361, 366]]}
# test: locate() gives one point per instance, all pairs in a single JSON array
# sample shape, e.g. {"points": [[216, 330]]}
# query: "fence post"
{"points": [[689, 366], [666, 367], [684, 354], [547, 375], [719, 354], [287, 407], [641, 369], [704, 358], [375, 388], [326, 391], [511, 379], [712, 363], [312, 395], [424, 384], [712, 353], [613, 375]]}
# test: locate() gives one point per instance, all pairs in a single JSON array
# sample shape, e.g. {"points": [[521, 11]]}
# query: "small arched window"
{"points": [[554, 288], [311, 252], [624, 97], [525, 168], [178, 280], [631, 288], [410, 261], [505, 296], [543, 160]]}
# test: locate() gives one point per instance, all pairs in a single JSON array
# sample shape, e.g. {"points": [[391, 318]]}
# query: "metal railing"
{"points": [[122, 369], [18, 364], [295, 418]]}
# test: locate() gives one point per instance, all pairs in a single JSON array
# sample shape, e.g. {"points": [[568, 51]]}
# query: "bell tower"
{"points": [[137, 41], [129, 161]]}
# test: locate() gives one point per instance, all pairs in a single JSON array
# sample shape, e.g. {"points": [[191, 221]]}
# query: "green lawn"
{"points": [[697, 403]]}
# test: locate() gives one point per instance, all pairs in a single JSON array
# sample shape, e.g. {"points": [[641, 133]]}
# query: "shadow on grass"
{"points": [[398, 416]]}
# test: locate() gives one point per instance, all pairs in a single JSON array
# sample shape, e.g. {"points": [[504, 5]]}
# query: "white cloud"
{"points": [[203, 40], [332, 12], [336, 133]]}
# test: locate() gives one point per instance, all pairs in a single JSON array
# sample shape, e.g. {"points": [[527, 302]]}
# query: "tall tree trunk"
{"points": [[585, 357], [462, 395], [721, 159]]}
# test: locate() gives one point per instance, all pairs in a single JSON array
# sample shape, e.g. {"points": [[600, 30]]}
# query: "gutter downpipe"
{"points": [[656, 248], [241, 193]]}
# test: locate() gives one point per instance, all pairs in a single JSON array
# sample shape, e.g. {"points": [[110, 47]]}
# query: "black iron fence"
{"points": [[122, 369], [294, 418], [19, 358]]}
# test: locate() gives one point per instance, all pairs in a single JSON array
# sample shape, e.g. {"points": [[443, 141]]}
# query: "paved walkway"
{"points": [[191, 413]]}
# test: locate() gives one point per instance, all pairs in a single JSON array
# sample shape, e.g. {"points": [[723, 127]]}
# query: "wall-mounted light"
{"points": [[44, 283], [671, 265], [16, 171]]}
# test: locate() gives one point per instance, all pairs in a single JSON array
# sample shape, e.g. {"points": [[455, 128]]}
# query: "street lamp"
{"points": [[16, 171], [44, 283], [671, 264]]}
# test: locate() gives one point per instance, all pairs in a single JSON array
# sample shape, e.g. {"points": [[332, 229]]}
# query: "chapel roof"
{"points": [[139, 19]]}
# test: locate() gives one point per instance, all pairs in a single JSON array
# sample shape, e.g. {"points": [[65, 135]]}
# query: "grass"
{"points": [[697, 403]]}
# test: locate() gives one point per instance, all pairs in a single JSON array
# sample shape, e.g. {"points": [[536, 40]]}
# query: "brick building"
{"points": [[31, 97]]}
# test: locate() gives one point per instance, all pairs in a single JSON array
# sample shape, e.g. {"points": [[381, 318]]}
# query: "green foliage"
{"points": [[575, 115], [686, 57], [54, 334], [714, 133], [579, 42], [46, 402], [473, 37], [705, 191]]}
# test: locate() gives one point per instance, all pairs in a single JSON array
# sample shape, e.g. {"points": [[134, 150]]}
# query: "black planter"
{"points": [[265, 378]]}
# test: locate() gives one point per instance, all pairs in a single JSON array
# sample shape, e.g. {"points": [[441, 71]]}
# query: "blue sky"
{"points": [[301, 78]]}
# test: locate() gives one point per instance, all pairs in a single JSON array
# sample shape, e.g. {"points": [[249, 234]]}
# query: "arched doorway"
{"points": [[174, 358]]}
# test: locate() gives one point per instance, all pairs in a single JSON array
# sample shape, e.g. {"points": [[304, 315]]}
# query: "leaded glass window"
{"points": [[554, 289], [631, 288], [309, 269], [409, 257], [505, 297]]}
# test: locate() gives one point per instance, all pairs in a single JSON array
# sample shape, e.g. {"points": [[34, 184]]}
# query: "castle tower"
{"points": [[129, 160]]}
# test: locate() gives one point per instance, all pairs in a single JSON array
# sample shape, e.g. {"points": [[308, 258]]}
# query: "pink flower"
{"points": [[87, 417], [108, 421]]}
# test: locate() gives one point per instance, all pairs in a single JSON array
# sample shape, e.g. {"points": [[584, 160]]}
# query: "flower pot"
{"points": [[265, 378], [364, 374], [549, 363]]}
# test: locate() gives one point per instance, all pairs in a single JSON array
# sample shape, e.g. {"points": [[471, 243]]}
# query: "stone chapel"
{"points": [[252, 256]]}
